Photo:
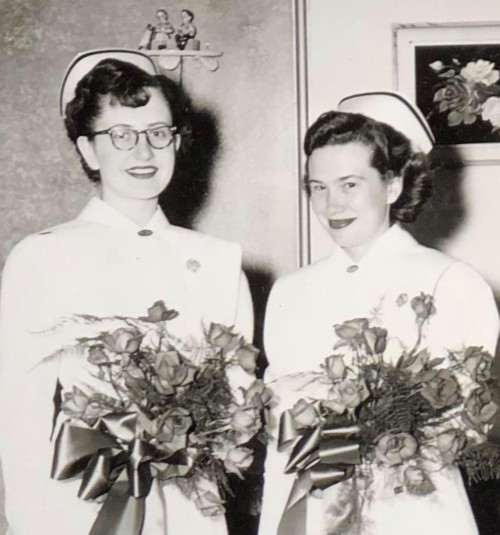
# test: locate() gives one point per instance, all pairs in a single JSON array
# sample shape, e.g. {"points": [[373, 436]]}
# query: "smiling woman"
{"points": [[367, 172], [114, 260]]}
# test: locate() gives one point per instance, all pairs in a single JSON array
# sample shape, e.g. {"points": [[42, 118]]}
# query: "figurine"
{"points": [[158, 37], [186, 31]]}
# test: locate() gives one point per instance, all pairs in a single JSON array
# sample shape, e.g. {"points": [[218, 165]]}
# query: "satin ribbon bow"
{"points": [[111, 460], [321, 457]]}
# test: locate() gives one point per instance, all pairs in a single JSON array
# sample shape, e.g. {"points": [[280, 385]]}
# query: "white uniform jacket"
{"points": [[302, 310], [101, 264]]}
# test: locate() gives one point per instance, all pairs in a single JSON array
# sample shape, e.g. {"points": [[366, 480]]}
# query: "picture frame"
{"points": [[452, 72]]}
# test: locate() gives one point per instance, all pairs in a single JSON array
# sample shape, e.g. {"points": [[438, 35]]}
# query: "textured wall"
{"points": [[246, 110], [249, 101]]}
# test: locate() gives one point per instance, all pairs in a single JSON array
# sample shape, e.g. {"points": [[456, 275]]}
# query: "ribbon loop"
{"points": [[112, 461], [321, 457]]}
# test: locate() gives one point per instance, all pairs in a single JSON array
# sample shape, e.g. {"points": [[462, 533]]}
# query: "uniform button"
{"points": [[352, 269], [145, 232]]}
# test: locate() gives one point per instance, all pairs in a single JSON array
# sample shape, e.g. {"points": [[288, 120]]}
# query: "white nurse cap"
{"points": [[395, 110], [85, 61]]}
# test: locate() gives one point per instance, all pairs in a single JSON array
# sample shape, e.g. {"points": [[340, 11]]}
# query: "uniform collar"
{"points": [[99, 211], [393, 240]]}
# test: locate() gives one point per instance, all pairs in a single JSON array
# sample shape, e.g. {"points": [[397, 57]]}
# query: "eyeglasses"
{"points": [[125, 138]]}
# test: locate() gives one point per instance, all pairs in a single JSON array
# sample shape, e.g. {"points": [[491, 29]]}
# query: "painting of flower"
{"points": [[458, 90]]}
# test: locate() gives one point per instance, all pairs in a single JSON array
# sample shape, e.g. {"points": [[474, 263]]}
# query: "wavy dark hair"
{"points": [[126, 84], [392, 155]]}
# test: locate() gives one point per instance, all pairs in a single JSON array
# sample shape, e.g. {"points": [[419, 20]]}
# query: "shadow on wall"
{"points": [[440, 220], [182, 202], [444, 213], [190, 185]]}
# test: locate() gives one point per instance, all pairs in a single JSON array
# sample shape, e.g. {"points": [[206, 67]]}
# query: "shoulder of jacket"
{"points": [[430, 259], [303, 277], [39, 243]]}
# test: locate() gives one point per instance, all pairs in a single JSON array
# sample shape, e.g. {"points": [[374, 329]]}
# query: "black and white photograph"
{"points": [[249, 274]]}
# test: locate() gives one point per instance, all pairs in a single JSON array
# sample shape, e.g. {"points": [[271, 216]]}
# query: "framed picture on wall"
{"points": [[452, 72]]}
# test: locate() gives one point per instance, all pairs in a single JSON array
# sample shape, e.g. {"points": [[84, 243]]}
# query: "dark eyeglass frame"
{"points": [[147, 131]]}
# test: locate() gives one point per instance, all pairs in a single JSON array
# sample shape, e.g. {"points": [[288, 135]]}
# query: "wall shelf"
{"points": [[172, 59]]}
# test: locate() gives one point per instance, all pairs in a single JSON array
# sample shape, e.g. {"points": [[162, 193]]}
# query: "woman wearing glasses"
{"points": [[117, 257]]}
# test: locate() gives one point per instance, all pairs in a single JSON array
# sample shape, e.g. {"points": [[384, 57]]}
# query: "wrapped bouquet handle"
{"points": [[111, 460]]}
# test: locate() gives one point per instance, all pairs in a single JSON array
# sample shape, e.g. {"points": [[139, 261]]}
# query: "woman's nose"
{"points": [[143, 149], [334, 200]]}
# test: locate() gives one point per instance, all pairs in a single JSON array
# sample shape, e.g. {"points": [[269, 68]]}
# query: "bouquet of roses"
{"points": [[168, 411], [412, 415]]}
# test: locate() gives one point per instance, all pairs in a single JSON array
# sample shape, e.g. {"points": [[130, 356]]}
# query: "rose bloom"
{"points": [[171, 429], [304, 413], [457, 97], [479, 407], [450, 443], [97, 356], [347, 394], [395, 448], [173, 369], [237, 459], [209, 504], [350, 330], [440, 388], [123, 340], [222, 336], [75, 403], [491, 111], [258, 395], [335, 367], [480, 72], [247, 357], [245, 419], [478, 363]]}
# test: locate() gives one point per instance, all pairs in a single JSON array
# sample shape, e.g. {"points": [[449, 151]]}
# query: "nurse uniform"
{"points": [[101, 264], [299, 335]]}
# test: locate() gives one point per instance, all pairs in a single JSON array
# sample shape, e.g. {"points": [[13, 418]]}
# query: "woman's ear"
{"points": [[394, 188], [177, 142], [87, 151]]}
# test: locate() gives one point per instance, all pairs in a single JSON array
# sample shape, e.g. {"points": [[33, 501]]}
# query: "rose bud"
{"points": [[423, 305], [159, 312]]}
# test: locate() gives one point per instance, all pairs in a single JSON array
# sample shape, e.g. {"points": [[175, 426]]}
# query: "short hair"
{"points": [[126, 84], [392, 154], [189, 12]]}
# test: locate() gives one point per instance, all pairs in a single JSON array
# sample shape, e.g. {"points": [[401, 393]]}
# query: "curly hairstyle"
{"points": [[392, 155], [125, 84]]}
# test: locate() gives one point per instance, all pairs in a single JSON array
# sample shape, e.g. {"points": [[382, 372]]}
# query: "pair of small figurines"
{"points": [[163, 35]]}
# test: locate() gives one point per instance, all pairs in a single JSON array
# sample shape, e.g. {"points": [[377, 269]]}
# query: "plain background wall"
{"points": [[350, 50]]}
